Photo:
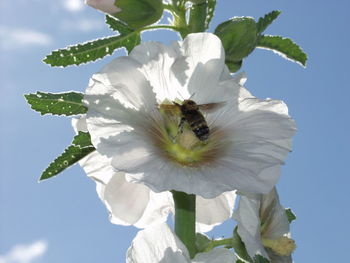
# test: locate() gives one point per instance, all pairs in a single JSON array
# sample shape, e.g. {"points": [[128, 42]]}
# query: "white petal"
{"points": [[248, 223], [164, 68], [79, 124], [200, 48], [127, 203], [217, 255], [205, 69], [97, 167], [106, 6], [135, 204], [122, 79], [155, 244], [212, 212], [273, 212], [108, 124]]}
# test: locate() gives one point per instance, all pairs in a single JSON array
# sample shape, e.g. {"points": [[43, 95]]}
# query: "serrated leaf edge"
{"points": [[69, 166], [87, 42], [282, 54], [264, 17], [50, 114]]}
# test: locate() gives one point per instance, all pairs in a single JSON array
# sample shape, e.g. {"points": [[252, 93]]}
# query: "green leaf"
{"points": [[265, 21], [57, 104], [260, 259], [82, 140], [124, 30], [239, 261], [239, 247], [284, 47], [290, 215], [81, 147], [91, 51], [117, 25], [210, 12]]}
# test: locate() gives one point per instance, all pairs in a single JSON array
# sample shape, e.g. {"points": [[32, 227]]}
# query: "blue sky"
{"points": [[64, 220]]}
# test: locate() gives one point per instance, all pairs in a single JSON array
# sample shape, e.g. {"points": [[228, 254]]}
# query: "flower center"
{"points": [[283, 246], [178, 141]]}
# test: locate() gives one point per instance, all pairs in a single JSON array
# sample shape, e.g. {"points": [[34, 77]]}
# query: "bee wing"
{"points": [[211, 106]]}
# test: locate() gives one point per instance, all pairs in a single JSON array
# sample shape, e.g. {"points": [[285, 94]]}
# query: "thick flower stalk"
{"points": [[133, 120], [263, 226], [135, 204], [158, 244]]}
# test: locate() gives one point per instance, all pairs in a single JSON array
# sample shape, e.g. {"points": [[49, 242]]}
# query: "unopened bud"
{"points": [[238, 36], [139, 13]]}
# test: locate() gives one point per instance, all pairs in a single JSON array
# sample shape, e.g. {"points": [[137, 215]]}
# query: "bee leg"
{"points": [[181, 126]]}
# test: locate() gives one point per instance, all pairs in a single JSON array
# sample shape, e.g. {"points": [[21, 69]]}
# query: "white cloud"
{"points": [[73, 5], [25, 253], [19, 37], [82, 25]]}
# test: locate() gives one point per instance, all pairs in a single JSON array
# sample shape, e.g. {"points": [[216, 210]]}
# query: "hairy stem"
{"points": [[227, 242], [198, 15]]}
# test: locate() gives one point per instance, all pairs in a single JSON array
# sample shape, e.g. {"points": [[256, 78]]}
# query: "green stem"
{"points": [[178, 10], [218, 243], [185, 220], [198, 15], [159, 27]]}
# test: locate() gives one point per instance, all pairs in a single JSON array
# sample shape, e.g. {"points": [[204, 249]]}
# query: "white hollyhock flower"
{"points": [[135, 204], [263, 226], [106, 6], [129, 121], [158, 244]]}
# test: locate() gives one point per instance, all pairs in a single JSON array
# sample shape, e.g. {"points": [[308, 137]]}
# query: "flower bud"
{"points": [[106, 6], [238, 36], [139, 13]]}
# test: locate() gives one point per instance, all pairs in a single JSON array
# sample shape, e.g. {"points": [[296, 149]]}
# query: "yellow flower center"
{"points": [[283, 246], [181, 145]]}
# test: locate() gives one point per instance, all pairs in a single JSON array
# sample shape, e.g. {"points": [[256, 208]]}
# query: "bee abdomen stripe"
{"points": [[197, 123]]}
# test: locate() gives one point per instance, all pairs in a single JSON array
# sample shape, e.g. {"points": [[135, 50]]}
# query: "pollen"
{"points": [[283, 246]]}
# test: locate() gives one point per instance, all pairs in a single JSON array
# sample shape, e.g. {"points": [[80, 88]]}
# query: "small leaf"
{"points": [[284, 47], [265, 21], [290, 215], [210, 12], [80, 148], [57, 104], [239, 247], [83, 139], [260, 259], [117, 25], [91, 51]]}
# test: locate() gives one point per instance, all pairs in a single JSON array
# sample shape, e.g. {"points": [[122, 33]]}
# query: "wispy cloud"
{"points": [[82, 25], [73, 5], [25, 253], [11, 38]]}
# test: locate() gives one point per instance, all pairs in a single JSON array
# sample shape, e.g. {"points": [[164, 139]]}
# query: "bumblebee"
{"points": [[190, 112]]}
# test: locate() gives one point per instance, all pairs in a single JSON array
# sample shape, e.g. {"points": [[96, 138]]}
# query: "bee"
{"points": [[190, 112]]}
